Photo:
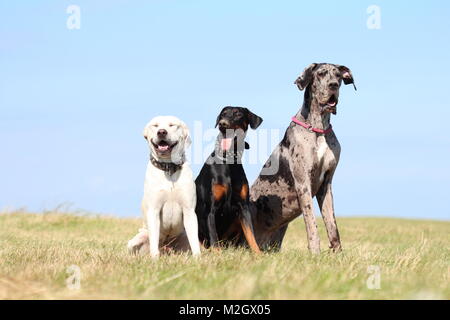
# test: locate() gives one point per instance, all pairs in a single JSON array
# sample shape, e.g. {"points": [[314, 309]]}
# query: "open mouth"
{"points": [[235, 143], [226, 143], [332, 102], [231, 133], [163, 146], [227, 135]]}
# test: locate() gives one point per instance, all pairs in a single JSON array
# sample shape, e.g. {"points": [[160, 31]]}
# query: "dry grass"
{"points": [[37, 249]]}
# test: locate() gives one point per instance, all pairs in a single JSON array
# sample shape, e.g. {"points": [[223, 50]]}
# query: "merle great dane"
{"points": [[307, 158]]}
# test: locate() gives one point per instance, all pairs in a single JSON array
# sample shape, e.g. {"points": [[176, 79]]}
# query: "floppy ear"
{"points": [[254, 120], [347, 76], [145, 132], [306, 77], [186, 134]]}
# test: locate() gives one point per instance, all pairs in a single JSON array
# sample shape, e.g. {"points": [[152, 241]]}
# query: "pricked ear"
{"points": [[347, 76], [306, 77], [254, 120]]}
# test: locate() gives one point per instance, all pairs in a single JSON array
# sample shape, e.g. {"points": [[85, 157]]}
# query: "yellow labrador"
{"points": [[169, 199]]}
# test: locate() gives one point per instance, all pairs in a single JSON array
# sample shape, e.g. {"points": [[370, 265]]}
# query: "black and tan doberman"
{"points": [[222, 187]]}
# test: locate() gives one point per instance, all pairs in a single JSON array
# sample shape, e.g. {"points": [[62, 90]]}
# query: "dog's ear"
{"points": [[186, 135], [254, 120], [347, 76], [145, 132], [306, 77]]}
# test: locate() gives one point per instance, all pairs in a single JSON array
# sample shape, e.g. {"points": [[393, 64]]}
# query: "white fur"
{"points": [[169, 202], [322, 147], [324, 154]]}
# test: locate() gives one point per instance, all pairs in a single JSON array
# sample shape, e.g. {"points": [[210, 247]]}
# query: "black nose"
{"points": [[162, 133], [333, 85]]}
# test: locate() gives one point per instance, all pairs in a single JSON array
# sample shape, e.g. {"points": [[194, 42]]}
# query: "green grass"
{"points": [[37, 249]]}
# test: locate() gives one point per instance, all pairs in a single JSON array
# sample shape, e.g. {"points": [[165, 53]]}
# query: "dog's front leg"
{"points": [[305, 200], [213, 237], [306, 206], [325, 201], [153, 224], [191, 227], [220, 193], [245, 219]]}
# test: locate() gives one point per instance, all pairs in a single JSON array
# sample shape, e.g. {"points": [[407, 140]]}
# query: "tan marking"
{"points": [[219, 190], [244, 192], [249, 236]]}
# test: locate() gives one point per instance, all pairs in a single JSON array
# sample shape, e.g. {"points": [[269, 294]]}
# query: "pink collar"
{"points": [[310, 127]]}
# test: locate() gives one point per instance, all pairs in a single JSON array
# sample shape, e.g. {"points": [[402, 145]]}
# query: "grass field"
{"points": [[36, 250]]}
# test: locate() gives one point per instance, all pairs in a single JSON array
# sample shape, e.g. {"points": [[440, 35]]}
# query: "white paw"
{"points": [[139, 241]]}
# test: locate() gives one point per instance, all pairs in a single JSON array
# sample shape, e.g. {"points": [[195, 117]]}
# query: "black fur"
{"points": [[221, 215]]}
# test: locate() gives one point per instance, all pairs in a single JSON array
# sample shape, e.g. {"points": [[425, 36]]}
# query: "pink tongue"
{"points": [[225, 144], [163, 148], [332, 104]]}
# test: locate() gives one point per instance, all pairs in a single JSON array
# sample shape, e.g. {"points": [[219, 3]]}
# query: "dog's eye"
{"points": [[155, 125], [172, 125]]}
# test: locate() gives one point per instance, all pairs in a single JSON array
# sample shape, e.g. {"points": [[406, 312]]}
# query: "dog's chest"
{"points": [[170, 194], [171, 219], [324, 159], [323, 151], [161, 185]]}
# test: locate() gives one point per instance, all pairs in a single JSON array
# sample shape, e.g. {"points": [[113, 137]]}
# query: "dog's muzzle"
{"points": [[331, 105], [163, 146]]}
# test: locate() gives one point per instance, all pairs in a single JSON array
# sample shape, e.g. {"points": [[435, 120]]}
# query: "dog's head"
{"points": [[233, 123], [167, 137], [325, 80]]}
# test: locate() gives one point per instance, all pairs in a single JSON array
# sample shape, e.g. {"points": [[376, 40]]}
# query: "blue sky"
{"points": [[73, 103]]}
